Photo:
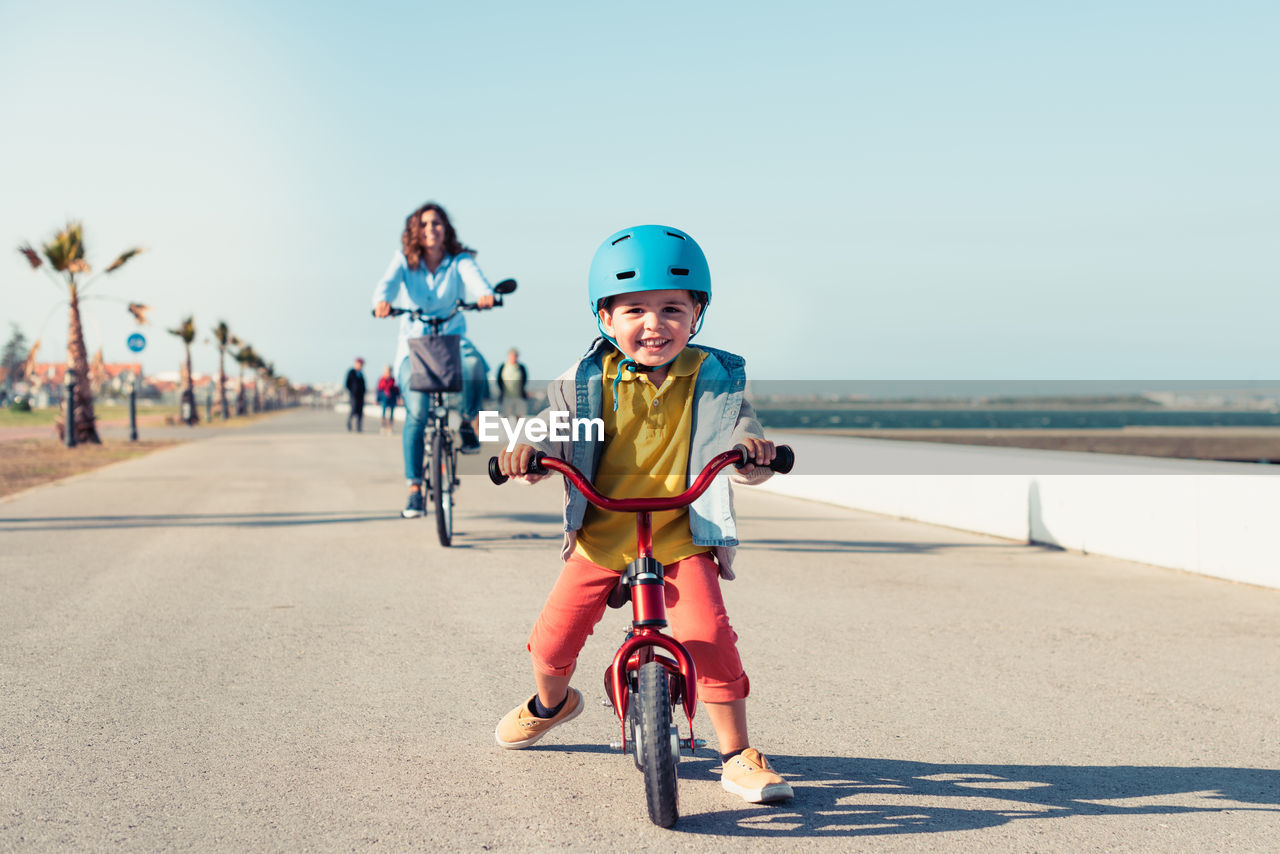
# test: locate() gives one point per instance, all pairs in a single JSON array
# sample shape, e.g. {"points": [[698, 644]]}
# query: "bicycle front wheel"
{"points": [[654, 714], [442, 485]]}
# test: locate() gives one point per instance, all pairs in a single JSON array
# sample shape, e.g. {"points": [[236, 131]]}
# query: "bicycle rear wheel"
{"points": [[442, 485], [654, 714]]}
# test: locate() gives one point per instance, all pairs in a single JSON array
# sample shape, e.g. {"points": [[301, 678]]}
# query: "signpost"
{"points": [[136, 342], [133, 409]]}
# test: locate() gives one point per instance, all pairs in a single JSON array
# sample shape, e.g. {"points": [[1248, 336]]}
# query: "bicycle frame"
{"points": [[439, 419], [437, 422], [650, 663], [434, 324], [644, 578], [438, 411]]}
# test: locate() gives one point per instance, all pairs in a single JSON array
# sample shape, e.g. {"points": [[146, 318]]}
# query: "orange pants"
{"points": [[695, 614]]}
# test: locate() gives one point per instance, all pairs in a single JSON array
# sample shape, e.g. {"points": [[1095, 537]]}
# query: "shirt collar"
{"points": [[685, 365]]}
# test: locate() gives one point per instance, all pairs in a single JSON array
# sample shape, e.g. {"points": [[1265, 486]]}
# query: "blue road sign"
{"points": [[136, 342]]}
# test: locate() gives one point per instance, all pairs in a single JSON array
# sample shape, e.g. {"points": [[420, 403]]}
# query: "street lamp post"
{"points": [[133, 409], [71, 406]]}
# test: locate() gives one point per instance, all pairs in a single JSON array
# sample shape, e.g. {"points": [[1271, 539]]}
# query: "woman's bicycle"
{"points": [[441, 448], [645, 686]]}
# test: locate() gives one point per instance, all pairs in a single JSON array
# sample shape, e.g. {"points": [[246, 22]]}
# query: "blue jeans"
{"points": [[417, 407]]}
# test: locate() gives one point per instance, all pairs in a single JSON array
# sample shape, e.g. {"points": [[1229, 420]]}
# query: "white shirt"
{"points": [[457, 278]]}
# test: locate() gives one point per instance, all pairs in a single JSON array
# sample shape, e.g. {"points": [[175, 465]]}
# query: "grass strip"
{"points": [[25, 463], [38, 417]]}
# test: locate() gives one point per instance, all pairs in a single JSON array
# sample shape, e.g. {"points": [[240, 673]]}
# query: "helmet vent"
{"points": [[622, 238], [679, 271], [677, 236], [627, 274]]}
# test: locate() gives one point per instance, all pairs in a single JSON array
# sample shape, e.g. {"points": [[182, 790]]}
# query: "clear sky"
{"points": [[920, 190]]}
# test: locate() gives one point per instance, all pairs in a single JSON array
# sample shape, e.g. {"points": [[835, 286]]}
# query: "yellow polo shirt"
{"points": [[645, 455]]}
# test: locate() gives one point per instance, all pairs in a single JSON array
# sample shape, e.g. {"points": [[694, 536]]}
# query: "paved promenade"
{"points": [[236, 644]]}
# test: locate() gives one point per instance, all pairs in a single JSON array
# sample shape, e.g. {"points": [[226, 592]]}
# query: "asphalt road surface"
{"points": [[236, 644]]}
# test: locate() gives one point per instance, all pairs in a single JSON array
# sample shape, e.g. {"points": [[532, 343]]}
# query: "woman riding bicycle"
{"points": [[432, 271]]}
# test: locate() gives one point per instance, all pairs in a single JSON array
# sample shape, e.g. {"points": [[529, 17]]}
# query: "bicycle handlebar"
{"points": [[424, 317], [739, 457], [506, 286]]}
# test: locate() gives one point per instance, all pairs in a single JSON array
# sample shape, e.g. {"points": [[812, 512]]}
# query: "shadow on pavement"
{"points": [[578, 748], [524, 518], [872, 797], [499, 539], [180, 520], [873, 546], [553, 532]]}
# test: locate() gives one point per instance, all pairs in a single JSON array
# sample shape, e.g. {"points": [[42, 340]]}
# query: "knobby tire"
{"points": [[442, 486], [654, 713]]}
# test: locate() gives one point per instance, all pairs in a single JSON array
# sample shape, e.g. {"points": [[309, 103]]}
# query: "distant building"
{"points": [[106, 376], [45, 383]]}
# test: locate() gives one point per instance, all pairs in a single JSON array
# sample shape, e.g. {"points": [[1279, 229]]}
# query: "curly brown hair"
{"points": [[411, 237]]}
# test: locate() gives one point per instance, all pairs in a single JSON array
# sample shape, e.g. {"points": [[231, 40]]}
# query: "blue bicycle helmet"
{"points": [[648, 258]]}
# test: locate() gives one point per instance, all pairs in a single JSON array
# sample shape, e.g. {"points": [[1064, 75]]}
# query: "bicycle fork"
{"points": [[643, 581]]}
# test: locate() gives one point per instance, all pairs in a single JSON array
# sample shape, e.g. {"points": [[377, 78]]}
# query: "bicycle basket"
{"points": [[435, 363]]}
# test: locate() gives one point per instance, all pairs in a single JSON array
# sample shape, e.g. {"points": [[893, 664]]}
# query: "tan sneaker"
{"points": [[519, 728], [748, 774]]}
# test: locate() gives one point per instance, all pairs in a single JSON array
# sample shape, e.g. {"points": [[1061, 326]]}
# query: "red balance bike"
{"points": [[644, 685]]}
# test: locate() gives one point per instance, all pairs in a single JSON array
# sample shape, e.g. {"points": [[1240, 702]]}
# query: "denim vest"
{"points": [[721, 417]]}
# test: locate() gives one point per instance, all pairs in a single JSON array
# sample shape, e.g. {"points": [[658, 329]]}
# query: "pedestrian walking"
{"points": [[388, 396], [511, 381], [355, 395]]}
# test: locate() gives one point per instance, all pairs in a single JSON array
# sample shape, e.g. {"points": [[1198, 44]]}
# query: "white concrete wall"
{"points": [[1218, 519]]}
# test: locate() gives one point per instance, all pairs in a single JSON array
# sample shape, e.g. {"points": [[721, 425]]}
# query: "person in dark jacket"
{"points": [[355, 394], [511, 380]]}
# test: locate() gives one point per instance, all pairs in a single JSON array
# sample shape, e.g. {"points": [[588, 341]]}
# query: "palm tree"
{"points": [[222, 334], [65, 255], [284, 392], [246, 358], [258, 364], [187, 332], [268, 373]]}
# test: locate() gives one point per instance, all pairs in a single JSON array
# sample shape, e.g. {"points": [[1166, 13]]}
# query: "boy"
{"points": [[667, 409]]}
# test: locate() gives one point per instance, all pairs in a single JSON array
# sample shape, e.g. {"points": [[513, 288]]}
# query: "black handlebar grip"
{"points": [[535, 467], [784, 458]]}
